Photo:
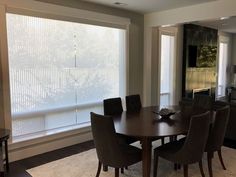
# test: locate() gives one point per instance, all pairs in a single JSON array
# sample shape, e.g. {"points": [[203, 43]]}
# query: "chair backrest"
{"points": [[218, 129], [133, 103], [186, 107], [233, 94], [112, 106], [202, 103], [105, 140], [195, 142]]}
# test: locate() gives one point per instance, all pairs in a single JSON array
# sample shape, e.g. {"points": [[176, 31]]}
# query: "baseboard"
{"points": [[29, 149]]}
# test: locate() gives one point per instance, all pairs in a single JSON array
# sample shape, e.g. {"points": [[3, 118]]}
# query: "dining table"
{"points": [[146, 125]]}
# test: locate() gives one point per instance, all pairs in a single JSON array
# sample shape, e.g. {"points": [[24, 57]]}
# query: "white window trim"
{"points": [[169, 31], [222, 38], [51, 11], [34, 7]]}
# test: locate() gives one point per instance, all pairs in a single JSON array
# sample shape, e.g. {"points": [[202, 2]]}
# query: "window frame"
{"points": [[224, 39], [56, 12], [168, 31]]}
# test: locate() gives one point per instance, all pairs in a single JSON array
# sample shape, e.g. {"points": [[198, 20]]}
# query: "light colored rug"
{"points": [[85, 165]]}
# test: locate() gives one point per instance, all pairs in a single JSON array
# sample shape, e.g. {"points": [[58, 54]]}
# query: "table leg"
{"points": [[6, 156], [146, 156], [1, 161]]}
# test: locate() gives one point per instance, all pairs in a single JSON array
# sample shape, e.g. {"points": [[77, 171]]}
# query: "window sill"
{"points": [[48, 136]]}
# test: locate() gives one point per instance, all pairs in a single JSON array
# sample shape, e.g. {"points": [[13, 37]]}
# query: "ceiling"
{"points": [[147, 6], [226, 25]]}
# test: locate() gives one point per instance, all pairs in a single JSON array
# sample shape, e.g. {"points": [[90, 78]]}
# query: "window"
{"points": [[223, 57], [167, 69], [61, 71]]}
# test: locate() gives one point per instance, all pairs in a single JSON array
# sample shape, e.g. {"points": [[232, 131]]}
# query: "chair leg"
{"points": [[105, 168], [221, 159], [175, 166], [209, 161], [162, 141], [116, 172], [201, 168], [2, 174], [185, 170], [99, 169], [122, 170], [155, 165]]}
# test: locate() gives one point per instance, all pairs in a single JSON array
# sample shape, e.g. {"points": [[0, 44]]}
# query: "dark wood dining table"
{"points": [[146, 125]]}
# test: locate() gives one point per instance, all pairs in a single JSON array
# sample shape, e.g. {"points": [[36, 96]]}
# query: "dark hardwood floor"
{"points": [[18, 168]]}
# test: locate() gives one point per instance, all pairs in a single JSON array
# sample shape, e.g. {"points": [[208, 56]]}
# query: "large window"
{"points": [[223, 57], [167, 69], [61, 71]]}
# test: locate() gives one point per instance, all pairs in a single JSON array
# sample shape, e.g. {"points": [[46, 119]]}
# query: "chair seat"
{"points": [[126, 139], [168, 151], [133, 154]]}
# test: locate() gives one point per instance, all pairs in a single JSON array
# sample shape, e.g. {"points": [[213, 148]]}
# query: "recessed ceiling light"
{"points": [[120, 4], [167, 25], [224, 18]]}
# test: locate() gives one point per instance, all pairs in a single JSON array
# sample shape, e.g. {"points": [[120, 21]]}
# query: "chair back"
{"points": [[196, 139], [133, 103], [201, 104], [233, 94], [112, 106], [105, 140], [217, 133]]}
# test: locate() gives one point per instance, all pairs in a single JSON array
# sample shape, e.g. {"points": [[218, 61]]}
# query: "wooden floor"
{"points": [[18, 168]]}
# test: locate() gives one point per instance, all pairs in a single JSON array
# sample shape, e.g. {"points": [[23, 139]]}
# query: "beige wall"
{"points": [[135, 38]]}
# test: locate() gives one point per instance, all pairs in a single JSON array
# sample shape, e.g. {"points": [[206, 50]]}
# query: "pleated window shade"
{"points": [[60, 71]]}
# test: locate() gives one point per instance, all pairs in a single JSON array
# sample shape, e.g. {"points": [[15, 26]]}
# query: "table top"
{"points": [[146, 123], [4, 134]]}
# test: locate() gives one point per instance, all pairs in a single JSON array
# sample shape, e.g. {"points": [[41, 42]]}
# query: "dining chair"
{"points": [[186, 151], [216, 137], [201, 104], [112, 107], [133, 103], [109, 151]]}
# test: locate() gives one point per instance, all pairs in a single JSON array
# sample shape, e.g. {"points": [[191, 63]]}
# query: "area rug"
{"points": [[85, 165]]}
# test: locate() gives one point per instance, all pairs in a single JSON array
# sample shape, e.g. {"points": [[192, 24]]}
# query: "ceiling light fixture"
{"points": [[120, 4], [224, 18], [167, 25]]}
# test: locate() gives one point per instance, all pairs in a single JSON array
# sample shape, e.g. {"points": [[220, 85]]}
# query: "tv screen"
{"points": [[202, 56]]}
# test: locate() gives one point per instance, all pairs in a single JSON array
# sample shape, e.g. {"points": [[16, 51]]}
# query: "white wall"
{"points": [[210, 10]]}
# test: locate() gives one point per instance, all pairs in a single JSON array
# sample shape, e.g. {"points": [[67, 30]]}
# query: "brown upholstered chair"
{"points": [[200, 104], [216, 137], [109, 151], [133, 103], [189, 151], [112, 107]]}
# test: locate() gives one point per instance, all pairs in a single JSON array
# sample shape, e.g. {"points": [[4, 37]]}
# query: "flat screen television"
{"points": [[202, 56]]}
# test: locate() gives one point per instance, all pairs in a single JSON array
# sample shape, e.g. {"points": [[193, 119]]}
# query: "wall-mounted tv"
{"points": [[202, 56]]}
